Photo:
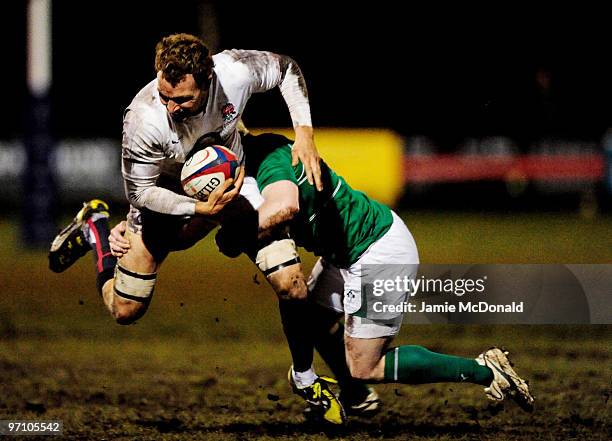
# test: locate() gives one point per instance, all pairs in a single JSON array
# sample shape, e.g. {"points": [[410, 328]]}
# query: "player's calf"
{"points": [[126, 312], [365, 373], [128, 294], [125, 293], [365, 357], [88, 230]]}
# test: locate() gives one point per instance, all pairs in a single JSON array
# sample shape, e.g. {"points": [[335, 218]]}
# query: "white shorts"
{"points": [[340, 289]]}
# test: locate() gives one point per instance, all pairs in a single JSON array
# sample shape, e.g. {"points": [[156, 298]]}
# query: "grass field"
{"points": [[208, 361]]}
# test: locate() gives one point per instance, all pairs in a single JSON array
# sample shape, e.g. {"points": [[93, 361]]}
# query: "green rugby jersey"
{"points": [[338, 223]]}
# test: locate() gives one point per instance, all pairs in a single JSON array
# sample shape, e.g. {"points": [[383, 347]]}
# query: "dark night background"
{"points": [[447, 74], [208, 360]]}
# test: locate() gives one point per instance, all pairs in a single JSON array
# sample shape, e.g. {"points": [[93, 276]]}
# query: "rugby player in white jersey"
{"points": [[195, 94], [194, 98]]}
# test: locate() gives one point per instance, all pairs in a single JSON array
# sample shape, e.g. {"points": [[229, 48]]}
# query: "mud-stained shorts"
{"points": [[163, 233], [338, 289]]}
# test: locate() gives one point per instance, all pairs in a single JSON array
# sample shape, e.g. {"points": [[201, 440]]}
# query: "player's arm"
{"points": [[217, 200], [304, 150], [281, 204], [278, 185], [142, 156], [221, 196], [279, 260], [295, 93], [269, 70]]}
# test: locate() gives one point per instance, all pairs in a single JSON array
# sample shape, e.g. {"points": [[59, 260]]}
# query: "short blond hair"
{"points": [[180, 54]]}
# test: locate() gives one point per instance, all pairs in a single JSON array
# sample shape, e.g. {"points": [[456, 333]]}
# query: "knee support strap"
{"points": [[134, 286], [277, 255]]}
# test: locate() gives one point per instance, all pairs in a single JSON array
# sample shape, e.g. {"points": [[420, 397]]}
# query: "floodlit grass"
{"points": [[208, 360]]}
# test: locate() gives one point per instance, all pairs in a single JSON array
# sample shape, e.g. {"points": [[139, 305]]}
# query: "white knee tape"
{"points": [[134, 286], [277, 255]]}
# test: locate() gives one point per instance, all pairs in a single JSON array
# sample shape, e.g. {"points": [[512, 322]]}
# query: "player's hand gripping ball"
{"points": [[207, 169]]}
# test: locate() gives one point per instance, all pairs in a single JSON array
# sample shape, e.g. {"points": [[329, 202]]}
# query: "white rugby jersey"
{"points": [[154, 146]]}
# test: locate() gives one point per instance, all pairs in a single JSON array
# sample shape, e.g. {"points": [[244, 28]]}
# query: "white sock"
{"points": [[304, 379]]}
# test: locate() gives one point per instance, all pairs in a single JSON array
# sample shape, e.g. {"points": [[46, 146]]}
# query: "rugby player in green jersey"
{"points": [[354, 234]]}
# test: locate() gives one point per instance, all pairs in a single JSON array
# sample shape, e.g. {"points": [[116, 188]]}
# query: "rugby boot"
{"points": [[506, 381], [322, 402], [360, 403], [70, 243]]}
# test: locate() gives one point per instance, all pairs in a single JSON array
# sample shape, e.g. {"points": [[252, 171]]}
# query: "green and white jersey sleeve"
{"points": [[338, 223]]}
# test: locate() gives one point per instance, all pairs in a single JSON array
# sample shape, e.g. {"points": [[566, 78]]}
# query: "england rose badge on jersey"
{"points": [[229, 112]]}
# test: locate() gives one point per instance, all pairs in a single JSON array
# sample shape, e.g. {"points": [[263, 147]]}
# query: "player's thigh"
{"points": [[194, 230], [377, 285], [364, 356], [326, 286], [369, 329], [163, 233], [138, 258], [243, 208]]}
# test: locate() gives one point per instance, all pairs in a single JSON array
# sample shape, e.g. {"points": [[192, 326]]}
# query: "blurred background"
{"points": [[506, 111]]}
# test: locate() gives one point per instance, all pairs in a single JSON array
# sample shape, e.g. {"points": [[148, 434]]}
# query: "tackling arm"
{"points": [[293, 89], [281, 204], [271, 70], [279, 260], [273, 252]]}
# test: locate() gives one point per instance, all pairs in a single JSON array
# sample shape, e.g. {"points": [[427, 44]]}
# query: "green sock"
{"points": [[417, 365]]}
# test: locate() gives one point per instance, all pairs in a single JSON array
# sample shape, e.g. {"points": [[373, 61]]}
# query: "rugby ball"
{"points": [[207, 169]]}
